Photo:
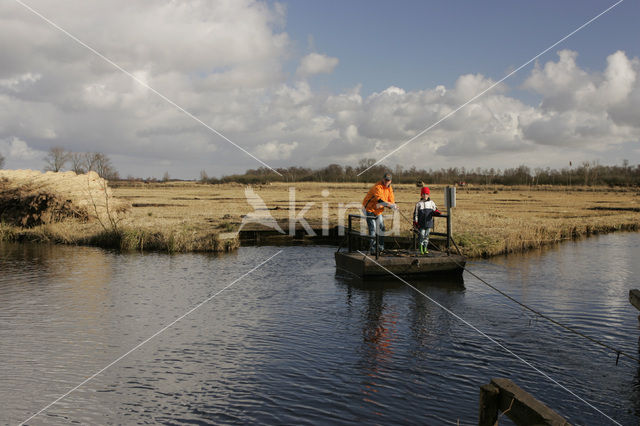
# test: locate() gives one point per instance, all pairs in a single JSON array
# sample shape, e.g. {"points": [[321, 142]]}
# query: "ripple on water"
{"points": [[294, 343]]}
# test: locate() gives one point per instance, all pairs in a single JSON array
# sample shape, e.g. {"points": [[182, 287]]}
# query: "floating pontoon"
{"points": [[399, 262], [357, 260]]}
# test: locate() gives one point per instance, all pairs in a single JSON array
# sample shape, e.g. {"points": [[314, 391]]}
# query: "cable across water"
{"points": [[618, 352]]}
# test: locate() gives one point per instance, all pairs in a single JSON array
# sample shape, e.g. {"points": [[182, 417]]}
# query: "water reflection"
{"points": [[635, 396], [380, 317], [80, 274], [292, 343]]}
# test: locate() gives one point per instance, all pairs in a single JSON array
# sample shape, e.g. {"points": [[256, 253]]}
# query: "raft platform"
{"points": [[400, 262], [357, 260]]}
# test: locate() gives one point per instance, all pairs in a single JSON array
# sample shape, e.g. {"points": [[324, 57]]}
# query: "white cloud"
{"points": [[581, 109], [19, 82], [565, 86], [276, 151], [223, 61], [16, 149], [212, 58], [619, 79], [316, 63]]}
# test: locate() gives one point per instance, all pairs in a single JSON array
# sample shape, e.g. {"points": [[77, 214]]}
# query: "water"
{"points": [[292, 343]]}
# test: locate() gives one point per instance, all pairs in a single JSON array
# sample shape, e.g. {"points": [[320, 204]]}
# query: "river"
{"points": [[294, 343]]}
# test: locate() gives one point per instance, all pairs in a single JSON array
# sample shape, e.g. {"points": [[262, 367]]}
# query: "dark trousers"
{"points": [[375, 225]]}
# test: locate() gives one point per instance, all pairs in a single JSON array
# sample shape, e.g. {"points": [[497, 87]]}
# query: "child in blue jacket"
{"points": [[423, 218]]}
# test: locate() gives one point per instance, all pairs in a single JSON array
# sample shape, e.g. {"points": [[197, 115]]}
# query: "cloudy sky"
{"points": [[313, 83]]}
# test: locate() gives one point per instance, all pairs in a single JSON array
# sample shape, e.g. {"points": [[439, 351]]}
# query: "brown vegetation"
{"points": [[81, 209], [29, 198], [488, 220]]}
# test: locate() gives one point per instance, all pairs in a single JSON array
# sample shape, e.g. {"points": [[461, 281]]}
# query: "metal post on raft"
{"points": [[450, 202], [377, 240], [349, 236], [413, 239]]}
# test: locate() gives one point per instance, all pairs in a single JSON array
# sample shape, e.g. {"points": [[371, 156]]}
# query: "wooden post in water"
{"points": [[514, 402], [634, 298], [488, 405]]}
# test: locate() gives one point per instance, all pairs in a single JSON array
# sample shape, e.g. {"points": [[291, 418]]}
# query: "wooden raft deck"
{"points": [[400, 262]]}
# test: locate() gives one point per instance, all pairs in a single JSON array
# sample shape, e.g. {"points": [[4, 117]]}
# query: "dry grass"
{"points": [[503, 221], [187, 216], [178, 239], [80, 209], [487, 220], [29, 198]]}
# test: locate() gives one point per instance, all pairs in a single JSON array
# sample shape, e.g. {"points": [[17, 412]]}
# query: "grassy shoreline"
{"points": [[488, 220], [125, 239]]}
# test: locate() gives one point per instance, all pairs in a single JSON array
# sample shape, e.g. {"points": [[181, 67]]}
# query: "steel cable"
{"points": [[618, 352]]}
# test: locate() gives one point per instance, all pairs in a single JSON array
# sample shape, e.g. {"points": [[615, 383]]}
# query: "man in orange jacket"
{"points": [[379, 196]]}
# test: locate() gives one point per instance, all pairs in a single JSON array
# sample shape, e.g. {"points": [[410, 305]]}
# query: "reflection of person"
{"points": [[379, 196], [423, 218]]}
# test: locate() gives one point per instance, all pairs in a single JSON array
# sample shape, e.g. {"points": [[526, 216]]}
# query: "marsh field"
{"points": [[487, 220]]}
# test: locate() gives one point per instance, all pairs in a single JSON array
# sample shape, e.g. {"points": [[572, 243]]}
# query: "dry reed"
{"points": [[188, 216]]}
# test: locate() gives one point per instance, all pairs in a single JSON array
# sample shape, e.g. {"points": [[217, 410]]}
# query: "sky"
{"points": [[225, 86]]}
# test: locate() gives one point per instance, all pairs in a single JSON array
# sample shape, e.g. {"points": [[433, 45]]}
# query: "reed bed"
{"points": [[488, 220], [123, 238]]}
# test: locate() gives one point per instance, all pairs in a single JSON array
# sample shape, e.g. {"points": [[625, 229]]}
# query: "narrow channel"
{"points": [[293, 342]]}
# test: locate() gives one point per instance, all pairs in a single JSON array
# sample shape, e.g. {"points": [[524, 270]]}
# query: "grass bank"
{"points": [[66, 208], [123, 238], [488, 220]]}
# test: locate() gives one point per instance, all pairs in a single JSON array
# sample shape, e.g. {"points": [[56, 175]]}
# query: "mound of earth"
{"points": [[29, 198]]}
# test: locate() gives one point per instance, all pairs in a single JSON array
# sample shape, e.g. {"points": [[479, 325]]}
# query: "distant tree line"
{"points": [[59, 159], [587, 174]]}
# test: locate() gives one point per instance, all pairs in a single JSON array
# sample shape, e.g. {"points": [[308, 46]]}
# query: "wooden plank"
{"points": [[523, 408], [634, 298], [489, 399], [401, 265]]}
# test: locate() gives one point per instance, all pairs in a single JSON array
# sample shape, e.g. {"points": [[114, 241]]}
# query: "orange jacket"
{"points": [[376, 193]]}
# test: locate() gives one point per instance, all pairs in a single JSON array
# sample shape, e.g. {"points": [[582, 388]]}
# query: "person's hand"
{"points": [[394, 206], [415, 224]]}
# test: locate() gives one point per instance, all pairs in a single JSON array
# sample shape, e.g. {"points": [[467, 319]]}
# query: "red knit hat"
{"points": [[425, 190]]}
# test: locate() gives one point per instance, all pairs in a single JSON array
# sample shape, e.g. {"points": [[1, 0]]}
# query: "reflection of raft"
{"points": [[400, 262]]}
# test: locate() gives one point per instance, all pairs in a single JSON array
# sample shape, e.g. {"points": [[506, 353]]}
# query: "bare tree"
{"points": [[56, 159], [166, 177], [1, 161], [90, 159], [101, 164], [79, 162]]}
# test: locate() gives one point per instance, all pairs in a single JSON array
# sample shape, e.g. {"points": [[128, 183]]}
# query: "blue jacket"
{"points": [[424, 212]]}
